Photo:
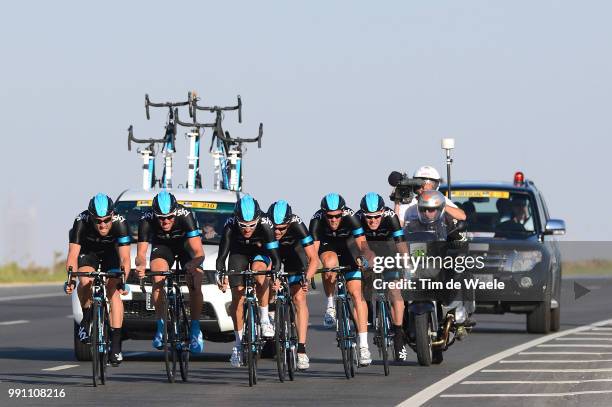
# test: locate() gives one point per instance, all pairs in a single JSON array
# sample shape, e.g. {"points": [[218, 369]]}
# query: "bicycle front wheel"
{"points": [[291, 341], [251, 345], [95, 360], [342, 335], [168, 344], [183, 343], [382, 333], [280, 336], [103, 345]]}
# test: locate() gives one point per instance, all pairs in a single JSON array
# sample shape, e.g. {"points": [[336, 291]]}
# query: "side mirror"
{"points": [[555, 227]]}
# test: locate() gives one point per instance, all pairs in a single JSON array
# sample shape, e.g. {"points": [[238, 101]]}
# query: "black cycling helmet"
{"points": [[100, 206], [332, 202], [372, 202], [247, 209], [280, 212], [164, 204]]}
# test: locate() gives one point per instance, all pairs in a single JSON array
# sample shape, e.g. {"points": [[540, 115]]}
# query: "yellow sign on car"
{"points": [[465, 193], [201, 205]]}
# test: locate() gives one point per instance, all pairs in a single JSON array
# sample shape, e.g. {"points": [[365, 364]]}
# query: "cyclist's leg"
{"points": [[110, 262], [161, 259], [329, 258], [262, 263], [237, 262], [194, 279], [87, 263]]}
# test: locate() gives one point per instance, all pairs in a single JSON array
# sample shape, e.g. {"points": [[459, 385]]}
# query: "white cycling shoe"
{"points": [[267, 330], [365, 359], [329, 319], [236, 358], [303, 362]]}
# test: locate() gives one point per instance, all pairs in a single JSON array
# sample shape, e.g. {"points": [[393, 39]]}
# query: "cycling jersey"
{"points": [[97, 249], [260, 243], [337, 240], [389, 229], [291, 248], [84, 233], [185, 226]]}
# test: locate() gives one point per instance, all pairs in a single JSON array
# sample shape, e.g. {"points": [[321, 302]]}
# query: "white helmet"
{"points": [[427, 172]]}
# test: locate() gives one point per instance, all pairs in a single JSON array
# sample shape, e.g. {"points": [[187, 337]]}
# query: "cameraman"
{"points": [[431, 181]]}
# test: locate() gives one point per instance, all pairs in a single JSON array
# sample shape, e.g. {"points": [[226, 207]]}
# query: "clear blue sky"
{"points": [[347, 91]]}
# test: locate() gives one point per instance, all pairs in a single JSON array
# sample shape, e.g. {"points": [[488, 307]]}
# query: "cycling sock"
{"points": [[330, 301], [263, 315], [301, 348], [238, 338], [116, 340], [195, 326], [363, 339], [397, 329], [86, 315]]}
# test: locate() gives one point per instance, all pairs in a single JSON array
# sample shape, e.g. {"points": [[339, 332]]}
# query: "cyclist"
{"points": [[332, 228], [431, 181], [386, 238], [172, 230], [248, 240], [97, 236], [297, 252]]}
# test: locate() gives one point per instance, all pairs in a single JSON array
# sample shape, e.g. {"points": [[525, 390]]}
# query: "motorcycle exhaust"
{"points": [[443, 342]]}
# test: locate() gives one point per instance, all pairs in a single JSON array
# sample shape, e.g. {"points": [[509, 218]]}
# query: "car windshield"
{"points": [[211, 216], [498, 213]]}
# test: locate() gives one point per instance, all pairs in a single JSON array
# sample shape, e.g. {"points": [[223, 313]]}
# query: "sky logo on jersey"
{"points": [[333, 201], [101, 205], [280, 211], [247, 205]]}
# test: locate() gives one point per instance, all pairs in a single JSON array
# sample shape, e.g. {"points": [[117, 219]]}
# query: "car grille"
{"points": [[136, 309]]}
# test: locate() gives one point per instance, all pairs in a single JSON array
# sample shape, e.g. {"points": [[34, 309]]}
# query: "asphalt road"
{"points": [[499, 364]]}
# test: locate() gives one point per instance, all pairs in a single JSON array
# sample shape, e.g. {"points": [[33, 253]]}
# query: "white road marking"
{"points": [[575, 393], [584, 339], [556, 361], [565, 353], [129, 354], [536, 381], [431, 391], [61, 367], [21, 321], [33, 296], [574, 345], [545, 370], [601, 329], [595, 333]]}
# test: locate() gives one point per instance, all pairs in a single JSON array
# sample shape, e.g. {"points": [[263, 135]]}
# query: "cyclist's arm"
{"points": [[144, 238], [193, 235], [72, 260], [313, 228], [454, 211], [308, 243], [124, 257], [195, 244], [271, 244], [224, 244]]}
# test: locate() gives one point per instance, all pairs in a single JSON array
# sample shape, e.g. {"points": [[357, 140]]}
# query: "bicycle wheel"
{"points": [[280, 339], [169, 348], [103, 346], [183, 343], [292, 342], [342, 330], [93, 338], [351, 330], [382, 333], [250, 344]]}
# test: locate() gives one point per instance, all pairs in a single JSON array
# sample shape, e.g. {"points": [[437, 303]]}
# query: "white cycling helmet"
{"points": [[427, 172]]}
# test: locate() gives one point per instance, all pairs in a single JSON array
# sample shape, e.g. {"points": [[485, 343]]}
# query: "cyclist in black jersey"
{"points": [[173, 231], [248, 240], [297, 253], [385, 237], [334, 228], [98, 235]]}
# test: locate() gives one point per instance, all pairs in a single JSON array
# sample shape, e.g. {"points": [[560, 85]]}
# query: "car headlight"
{"points": [[519, 261]]}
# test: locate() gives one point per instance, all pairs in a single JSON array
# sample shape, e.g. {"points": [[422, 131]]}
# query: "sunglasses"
{"points": [[99, 221], [249, 225], [167, 217], [330, 216], [373, 216], [428, 209], [281, 228]]}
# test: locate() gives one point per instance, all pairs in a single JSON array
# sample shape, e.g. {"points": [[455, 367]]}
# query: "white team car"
{"points": [[211, 209]]}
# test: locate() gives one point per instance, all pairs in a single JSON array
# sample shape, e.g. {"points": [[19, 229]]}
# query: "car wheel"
{"points": [[538, 320], [555, 319], [82, 351]]}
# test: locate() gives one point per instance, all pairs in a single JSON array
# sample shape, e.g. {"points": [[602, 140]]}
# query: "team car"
{"points": [[509, 226], [211, 209]]}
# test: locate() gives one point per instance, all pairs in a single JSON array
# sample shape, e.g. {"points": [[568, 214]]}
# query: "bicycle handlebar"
{"points": [[148, 104], [229, 139], [131, 139], [193, 124]]}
